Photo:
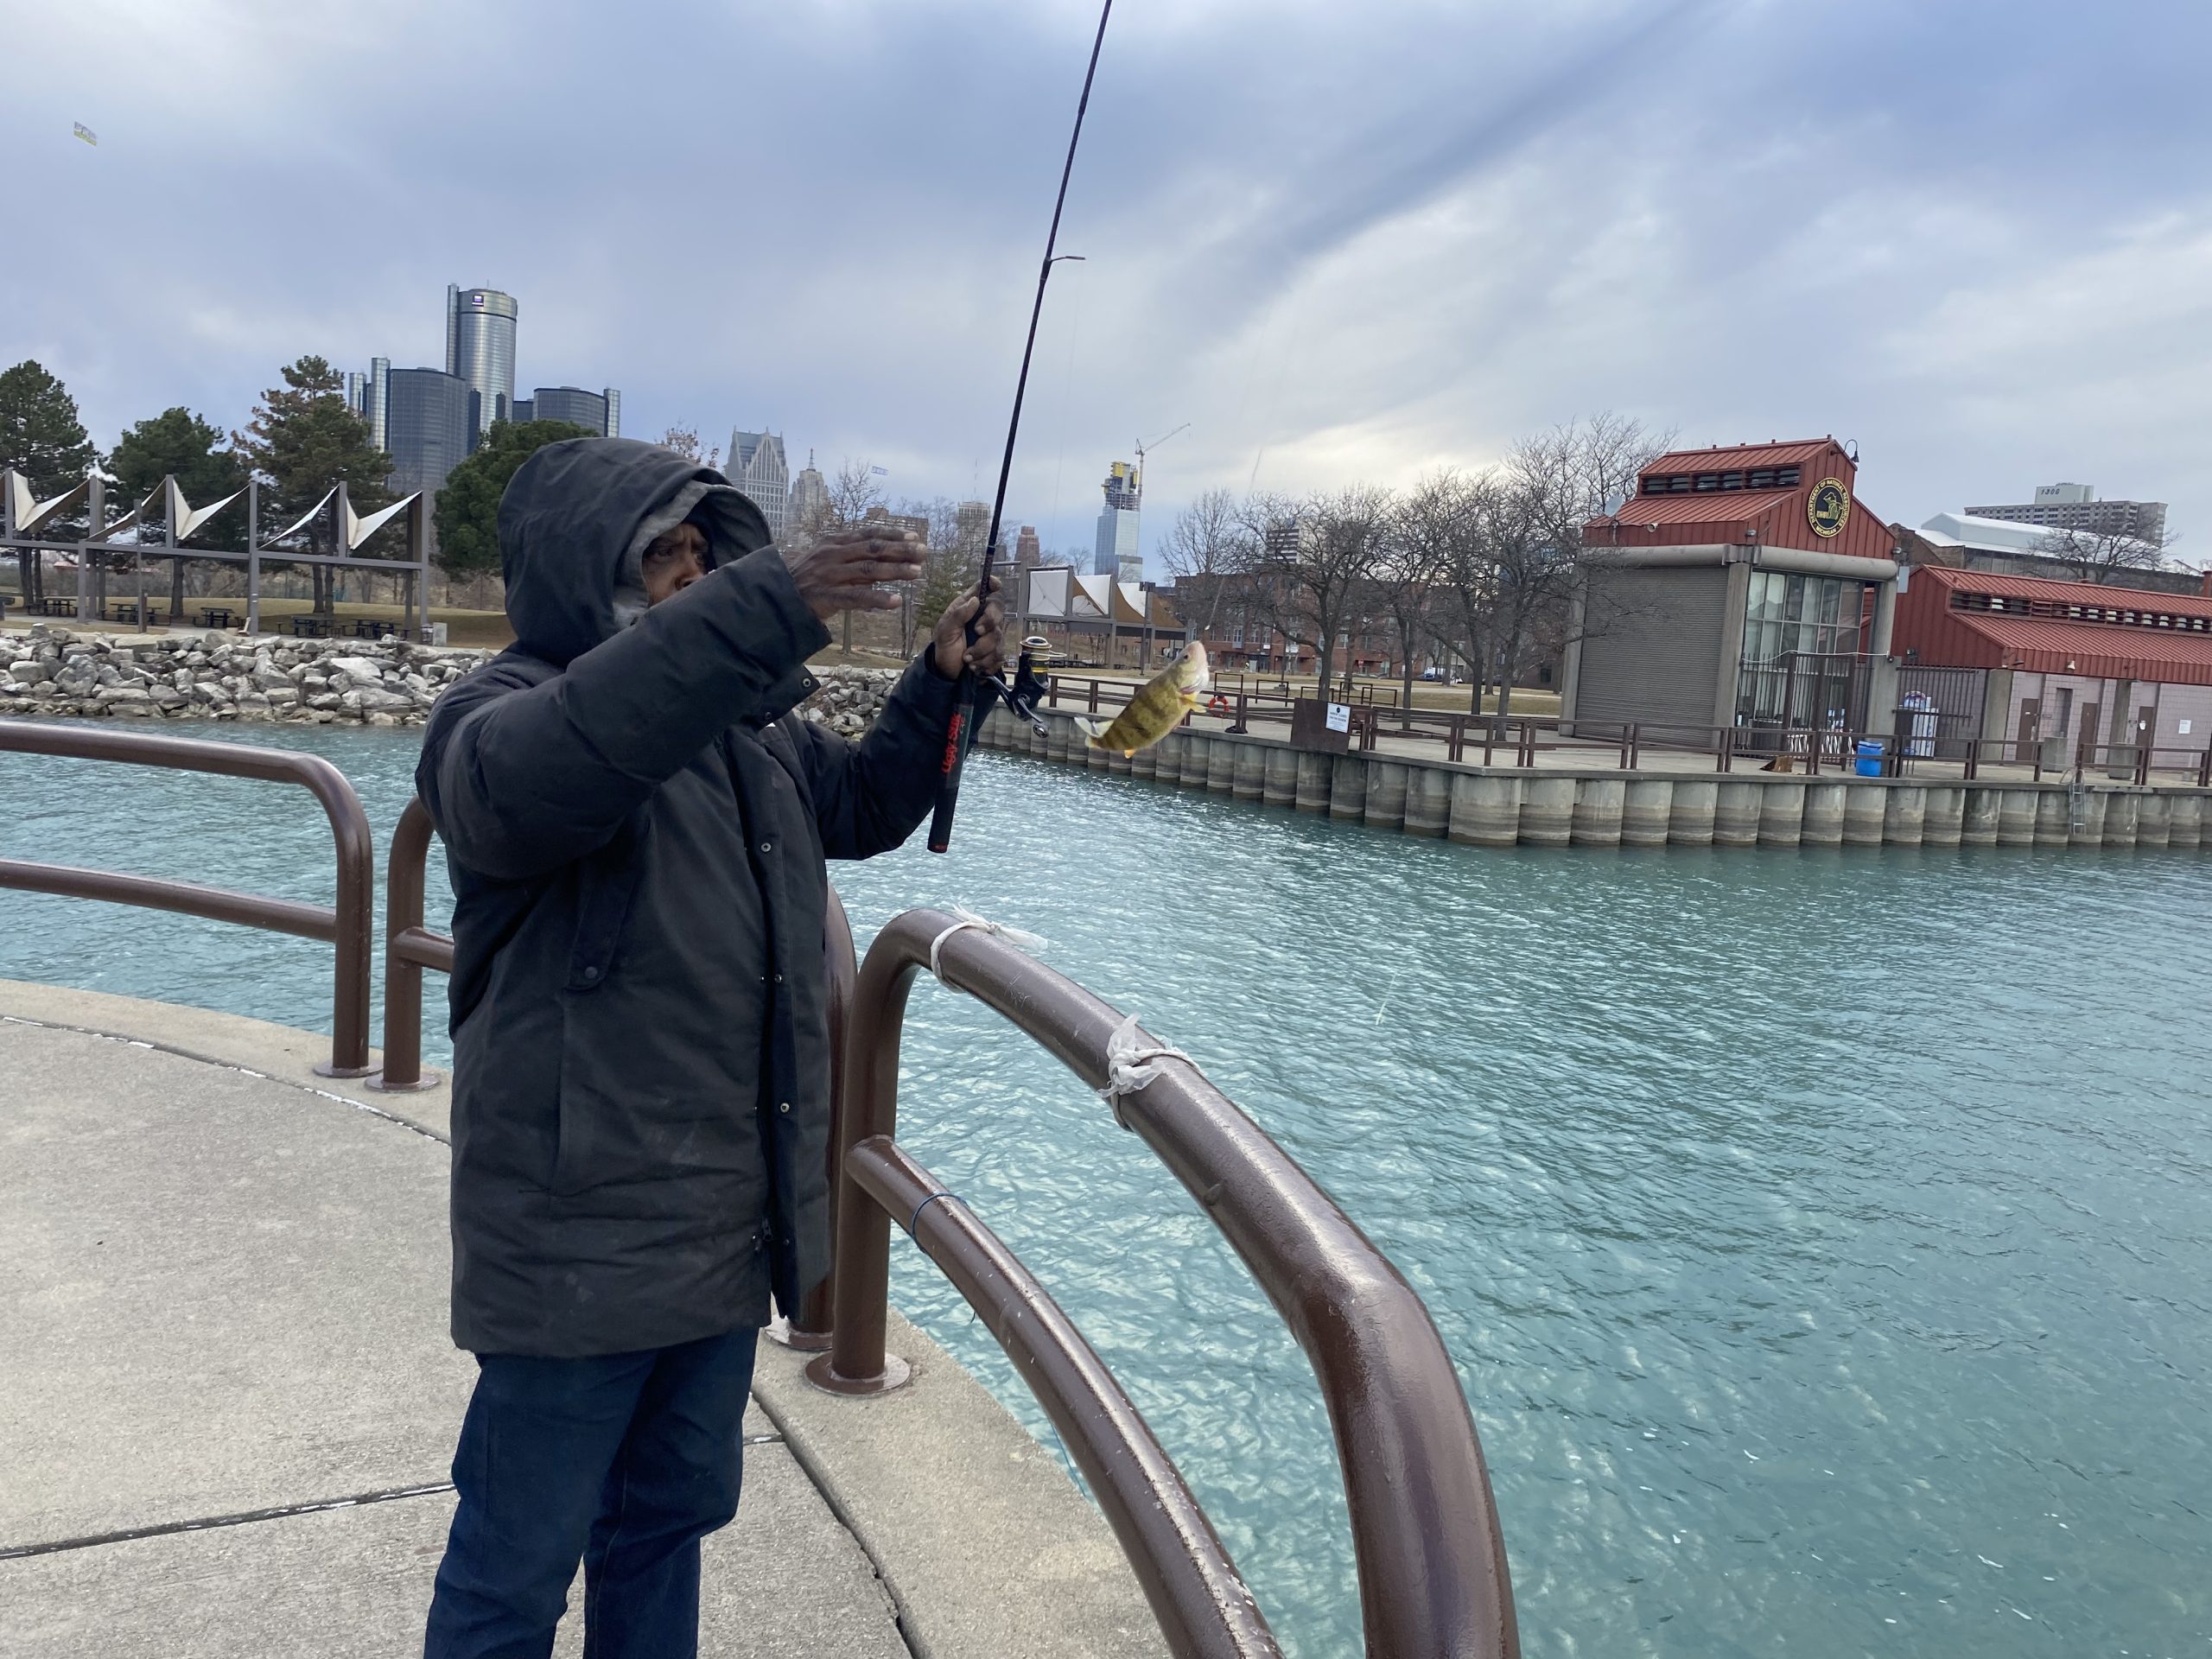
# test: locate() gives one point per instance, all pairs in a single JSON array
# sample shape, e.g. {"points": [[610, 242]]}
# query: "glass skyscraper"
{"points": [[1116, 554], [480, 352], [426, 426], [592, 411]]}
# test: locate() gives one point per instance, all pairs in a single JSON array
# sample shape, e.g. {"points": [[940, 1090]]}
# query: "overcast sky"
{"points": [[1343, 241]]}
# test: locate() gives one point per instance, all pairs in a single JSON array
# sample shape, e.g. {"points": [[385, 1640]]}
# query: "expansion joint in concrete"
{"points": [[205, 1523], [802, 1455], [407, 1123]]}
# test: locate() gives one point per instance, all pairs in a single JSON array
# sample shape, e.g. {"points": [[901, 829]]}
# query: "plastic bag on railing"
{"points": [[1131, 1063], [964, 919]]}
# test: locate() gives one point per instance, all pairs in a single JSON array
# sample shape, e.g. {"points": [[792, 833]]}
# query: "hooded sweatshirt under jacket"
{"points": [[636, 833]]}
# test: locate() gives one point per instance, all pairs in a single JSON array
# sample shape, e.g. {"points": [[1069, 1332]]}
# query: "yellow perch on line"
{"points": [[1157, 709]]}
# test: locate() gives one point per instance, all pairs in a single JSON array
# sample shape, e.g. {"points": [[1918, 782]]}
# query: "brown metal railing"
{"points": [[408, 948], [1430, 1561], [346, 924], [1518, 739]]}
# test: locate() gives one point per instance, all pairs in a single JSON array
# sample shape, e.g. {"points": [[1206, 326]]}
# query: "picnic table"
{"points": [[217, 616], [50, 606], [307, 626], [373, 627], [123, 610]]}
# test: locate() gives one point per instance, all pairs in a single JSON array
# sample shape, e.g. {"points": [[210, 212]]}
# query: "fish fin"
{"points": [[1093, 729]]}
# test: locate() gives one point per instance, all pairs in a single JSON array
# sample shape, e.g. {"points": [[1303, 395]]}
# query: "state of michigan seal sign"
{"points": [[1829, 506]]}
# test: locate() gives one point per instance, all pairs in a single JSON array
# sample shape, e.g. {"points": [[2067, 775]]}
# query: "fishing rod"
{"points": [[975, 691]]}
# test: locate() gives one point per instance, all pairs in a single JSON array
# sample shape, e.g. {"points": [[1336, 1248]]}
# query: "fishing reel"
{"points": [[1022, 697]]}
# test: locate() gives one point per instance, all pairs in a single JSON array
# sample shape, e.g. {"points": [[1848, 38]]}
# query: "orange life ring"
{"points": [[1217, 704]]}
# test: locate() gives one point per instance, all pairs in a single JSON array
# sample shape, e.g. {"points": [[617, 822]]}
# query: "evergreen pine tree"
{"points": [[303, 438], [41, 438]]}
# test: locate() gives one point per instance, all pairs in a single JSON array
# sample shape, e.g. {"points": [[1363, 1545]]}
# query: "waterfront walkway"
{"points": [[227, 1400]]}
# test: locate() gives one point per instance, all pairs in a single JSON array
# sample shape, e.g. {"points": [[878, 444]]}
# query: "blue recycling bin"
{"points": [[1869, 764]]}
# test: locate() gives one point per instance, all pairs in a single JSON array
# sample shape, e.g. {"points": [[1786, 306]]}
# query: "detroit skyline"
{"points": [[1341, 248]]}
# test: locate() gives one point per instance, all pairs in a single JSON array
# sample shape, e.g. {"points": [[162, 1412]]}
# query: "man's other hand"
{"points": [[847, 568], [987, 654]]}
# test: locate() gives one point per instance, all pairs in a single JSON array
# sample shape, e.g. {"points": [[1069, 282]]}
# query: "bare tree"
{"points": [[684, 441], [950, 564], [1318, 578], [848, 496], [2101, 556], [853, 491], [1209, 548], [1435, 528], [1552, 485]]}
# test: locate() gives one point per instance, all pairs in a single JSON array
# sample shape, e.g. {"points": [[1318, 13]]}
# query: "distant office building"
{"points": [[592, 411], [757, 466], [480, 351], [357, 393], [971, 524], [809, 503], [426, 426], [912, 524], [525, 411], [380, 396], [2076, 506], [1028, 552], [1116, 553]]}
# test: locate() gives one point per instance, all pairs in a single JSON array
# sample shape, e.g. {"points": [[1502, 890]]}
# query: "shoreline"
{"points": [[68, 673]]}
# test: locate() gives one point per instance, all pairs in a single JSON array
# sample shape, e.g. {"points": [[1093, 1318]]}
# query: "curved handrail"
{"points": [[1197, 1594], [1432, 1574], [408, 948], [347, 923]]}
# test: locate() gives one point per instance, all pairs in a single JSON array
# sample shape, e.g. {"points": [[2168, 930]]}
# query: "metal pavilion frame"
{"points": [[22, 516]]}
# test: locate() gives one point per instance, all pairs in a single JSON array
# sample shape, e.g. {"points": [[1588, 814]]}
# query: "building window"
{"points": [[1800, 663]]}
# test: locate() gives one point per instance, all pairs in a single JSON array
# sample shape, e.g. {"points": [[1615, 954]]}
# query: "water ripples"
{"points": [[1821, 1236]]}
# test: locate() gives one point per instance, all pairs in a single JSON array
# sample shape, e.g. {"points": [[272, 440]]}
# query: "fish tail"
{"points": [[1093, 729]]}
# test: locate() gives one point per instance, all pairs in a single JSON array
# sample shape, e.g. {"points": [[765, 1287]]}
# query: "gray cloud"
{"points": [[1339, 241]]}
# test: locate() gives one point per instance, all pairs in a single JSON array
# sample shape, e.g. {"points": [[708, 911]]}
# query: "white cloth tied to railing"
{"points": [[1131, 1063], [968, 918]]}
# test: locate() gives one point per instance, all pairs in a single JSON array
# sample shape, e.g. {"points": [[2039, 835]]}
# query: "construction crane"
{"points": [[1142, 446]]}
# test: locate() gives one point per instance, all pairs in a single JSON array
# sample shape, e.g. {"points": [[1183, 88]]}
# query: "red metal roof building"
{"points": [[2059, 664], [1794, 494], [1970, 618], [1744, 586]]}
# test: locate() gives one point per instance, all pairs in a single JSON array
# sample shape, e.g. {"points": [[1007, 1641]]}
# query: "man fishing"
{"points": [[636, 824]]}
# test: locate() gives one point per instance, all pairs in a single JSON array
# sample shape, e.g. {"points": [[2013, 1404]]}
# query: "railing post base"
{"points": [[375, 1080], [327, 1069], [823, 1373]]}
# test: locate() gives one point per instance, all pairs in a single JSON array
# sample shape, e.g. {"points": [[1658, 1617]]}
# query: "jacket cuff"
{"points": [[794, 621], [923, 686]]}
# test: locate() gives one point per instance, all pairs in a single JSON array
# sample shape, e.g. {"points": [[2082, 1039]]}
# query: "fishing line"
{"points": [[1067, 407], [973, 695]]}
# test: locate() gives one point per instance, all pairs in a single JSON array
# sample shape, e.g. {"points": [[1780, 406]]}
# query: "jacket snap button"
{"points": [[785, 1107], [767, 846], [591, 973], [779, 979]]}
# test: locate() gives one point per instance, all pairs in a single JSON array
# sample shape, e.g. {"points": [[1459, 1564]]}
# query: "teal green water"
{"points": [[1823, 1237]]}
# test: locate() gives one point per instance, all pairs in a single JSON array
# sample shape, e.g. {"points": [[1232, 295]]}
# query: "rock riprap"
{"points": [[60, 671]]}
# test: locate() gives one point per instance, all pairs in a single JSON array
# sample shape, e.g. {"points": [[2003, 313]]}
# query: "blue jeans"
{"points": [[624, 1462]]}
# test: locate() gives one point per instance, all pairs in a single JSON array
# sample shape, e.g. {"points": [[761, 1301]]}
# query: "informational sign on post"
{"points": [[1340, 717]]}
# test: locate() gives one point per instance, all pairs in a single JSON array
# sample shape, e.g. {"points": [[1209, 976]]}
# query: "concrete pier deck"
{"points": [[228, 1401]]}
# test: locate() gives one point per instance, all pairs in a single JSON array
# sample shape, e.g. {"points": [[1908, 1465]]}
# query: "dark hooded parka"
{"points": [[636, 826]]}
